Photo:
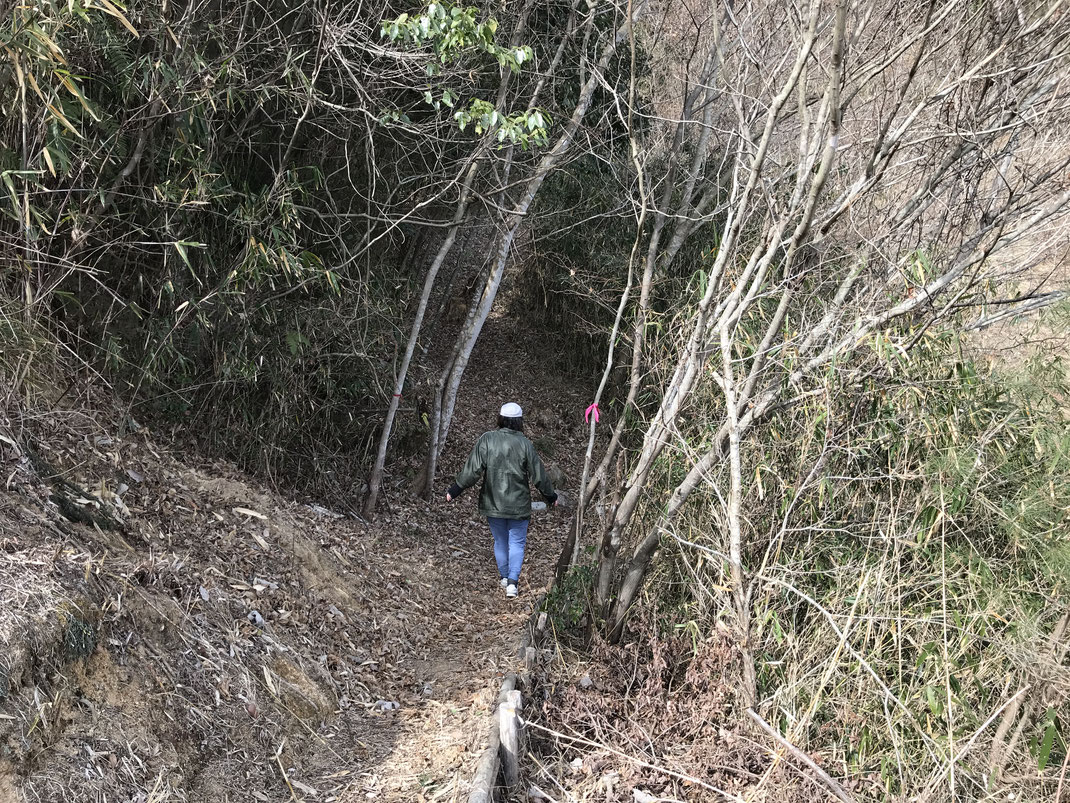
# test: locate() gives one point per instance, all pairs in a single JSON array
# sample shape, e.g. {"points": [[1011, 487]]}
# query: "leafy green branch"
{"points": [[520, 129], [451, 31]]}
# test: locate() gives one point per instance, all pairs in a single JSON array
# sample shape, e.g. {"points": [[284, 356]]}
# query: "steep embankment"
{"points": [[173, 630]]}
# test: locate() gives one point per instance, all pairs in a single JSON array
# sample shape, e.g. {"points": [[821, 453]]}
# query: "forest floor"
{"points": [[200, 637]]}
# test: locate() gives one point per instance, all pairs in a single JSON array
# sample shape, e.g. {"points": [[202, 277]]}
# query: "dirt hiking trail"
{"points": [[194, 636]]}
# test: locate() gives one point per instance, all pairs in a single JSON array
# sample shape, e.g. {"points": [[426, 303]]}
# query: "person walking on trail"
{"points": [[508, 462]]}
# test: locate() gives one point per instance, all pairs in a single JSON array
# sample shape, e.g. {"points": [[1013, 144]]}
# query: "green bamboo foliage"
{"points": [[908, 532], [219, 205]]}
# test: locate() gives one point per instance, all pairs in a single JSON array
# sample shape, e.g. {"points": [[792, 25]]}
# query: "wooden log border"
{"points": [[504, 743]]}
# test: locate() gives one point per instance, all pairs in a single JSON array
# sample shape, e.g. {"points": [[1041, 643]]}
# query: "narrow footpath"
{"points": [[198, 637], [457, 612]]}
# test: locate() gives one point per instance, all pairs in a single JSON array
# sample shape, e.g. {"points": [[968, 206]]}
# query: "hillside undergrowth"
{"points": [[906, 540]]}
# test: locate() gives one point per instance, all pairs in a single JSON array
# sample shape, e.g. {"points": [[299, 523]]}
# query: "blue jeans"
{"points": [[510, 538]]}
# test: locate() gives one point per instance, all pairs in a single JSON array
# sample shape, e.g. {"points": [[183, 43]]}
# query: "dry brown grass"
{"points": [[655, 719]]}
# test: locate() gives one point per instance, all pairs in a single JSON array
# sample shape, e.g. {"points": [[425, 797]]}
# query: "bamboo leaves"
{"points": [[113, 10], [1042, 746], [71, 84]]}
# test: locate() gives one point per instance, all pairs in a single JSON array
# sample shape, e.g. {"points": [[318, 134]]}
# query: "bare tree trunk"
{"points": [[737, 586], [450, 380], [375, 478], [573, 543], [692, 358], [702, 95]]}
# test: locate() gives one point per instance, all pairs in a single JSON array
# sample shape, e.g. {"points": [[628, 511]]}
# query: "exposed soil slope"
{"points": [[196, 636]]}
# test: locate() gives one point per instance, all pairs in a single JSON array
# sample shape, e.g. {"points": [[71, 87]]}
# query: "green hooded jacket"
{"points": [[507, 461]]}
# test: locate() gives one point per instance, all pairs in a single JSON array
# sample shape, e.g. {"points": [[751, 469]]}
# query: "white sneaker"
{"points": [[504, 582], [510, 590]]}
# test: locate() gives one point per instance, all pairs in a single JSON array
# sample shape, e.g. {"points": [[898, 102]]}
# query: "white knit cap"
{"points": [[511, 410]]}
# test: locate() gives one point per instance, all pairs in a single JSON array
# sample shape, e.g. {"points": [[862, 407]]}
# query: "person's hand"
{"points": [[448, 497], [557, 500]]}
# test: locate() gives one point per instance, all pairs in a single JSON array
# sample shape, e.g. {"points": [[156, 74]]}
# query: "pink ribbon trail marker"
{"points": [[587, 413]]}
